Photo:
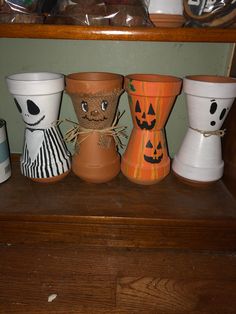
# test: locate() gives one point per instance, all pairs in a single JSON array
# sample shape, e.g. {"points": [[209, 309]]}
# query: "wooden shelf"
{"points": [[119, 213], [117, 33]]}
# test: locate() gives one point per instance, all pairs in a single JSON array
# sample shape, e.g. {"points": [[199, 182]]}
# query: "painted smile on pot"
{"points": [[36, 123], [153, 160], [145, 125], [93, 119]]}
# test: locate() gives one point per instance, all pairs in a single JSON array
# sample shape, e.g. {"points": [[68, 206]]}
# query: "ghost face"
{"points": [[208, 114], [38, 112]]}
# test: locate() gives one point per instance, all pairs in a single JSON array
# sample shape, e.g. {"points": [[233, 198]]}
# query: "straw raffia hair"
{"points": [[113, 131]]}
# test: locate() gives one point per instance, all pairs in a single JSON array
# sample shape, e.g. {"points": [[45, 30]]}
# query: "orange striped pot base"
{"points": [[145, 175], [146, 160]]}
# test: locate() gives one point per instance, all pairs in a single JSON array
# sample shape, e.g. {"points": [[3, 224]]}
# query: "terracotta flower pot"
{"points": [[209, 99], [95, 98], [151, 98], [38, 97]]}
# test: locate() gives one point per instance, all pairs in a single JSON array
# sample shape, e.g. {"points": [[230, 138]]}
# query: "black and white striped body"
{"points": [[45, 154]]}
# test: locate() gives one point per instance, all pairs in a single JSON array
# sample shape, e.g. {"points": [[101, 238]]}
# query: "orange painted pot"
{"points": [[151, 98]]}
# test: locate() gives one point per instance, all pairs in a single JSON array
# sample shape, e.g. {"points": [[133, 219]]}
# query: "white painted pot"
{"points": [[5, 166], [166, 7], [38, 98], [209, 99]]}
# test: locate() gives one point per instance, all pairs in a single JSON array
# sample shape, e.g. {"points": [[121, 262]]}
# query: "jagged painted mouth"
{"points": [[36, 123], [96, 120], [145, 125], [153, 160]]}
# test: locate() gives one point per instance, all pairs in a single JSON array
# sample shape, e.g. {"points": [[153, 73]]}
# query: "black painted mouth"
{"points": [[153, 160], [96, 120], [36, 123], [145, 125]]}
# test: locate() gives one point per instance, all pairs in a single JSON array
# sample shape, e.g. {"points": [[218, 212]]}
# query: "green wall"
{"points": [[179, 59]]}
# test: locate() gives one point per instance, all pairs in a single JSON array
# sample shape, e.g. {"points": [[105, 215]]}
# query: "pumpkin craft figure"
{"points": [[95, 98], [37, 96], [151, 98]]}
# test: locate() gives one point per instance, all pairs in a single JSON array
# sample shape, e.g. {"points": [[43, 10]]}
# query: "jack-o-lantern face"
{"points": [[145, 120], [151, 153]]}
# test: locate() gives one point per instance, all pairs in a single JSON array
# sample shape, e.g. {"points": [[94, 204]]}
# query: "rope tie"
{"points": [[219, 133]]}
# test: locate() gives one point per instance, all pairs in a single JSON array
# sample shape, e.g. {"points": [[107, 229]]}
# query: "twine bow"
{"points": [[113, 131], [219, 133]]}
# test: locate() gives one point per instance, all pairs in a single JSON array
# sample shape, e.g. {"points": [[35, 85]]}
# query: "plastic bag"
{"points": [[20, 11], [128, 13], [210, 13], [99, 12]]}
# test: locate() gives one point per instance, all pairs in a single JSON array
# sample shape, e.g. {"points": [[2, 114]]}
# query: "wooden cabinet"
{"points": [[119, 247]]}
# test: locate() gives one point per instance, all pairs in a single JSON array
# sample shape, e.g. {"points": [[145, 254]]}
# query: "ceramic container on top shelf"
{"points": [[166, 13], [151, 98], [5, 165], [209, 99], [95, 97], [38, 97]]}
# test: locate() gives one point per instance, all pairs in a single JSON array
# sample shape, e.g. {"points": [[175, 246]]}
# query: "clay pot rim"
{"points": [[93, 76], [35, 77], [35, 83], [211, 79], [153, 78]]}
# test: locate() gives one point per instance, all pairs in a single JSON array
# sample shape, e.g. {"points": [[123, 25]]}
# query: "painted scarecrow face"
{"points": [[96, 112], [146, 120], [153, 153]]}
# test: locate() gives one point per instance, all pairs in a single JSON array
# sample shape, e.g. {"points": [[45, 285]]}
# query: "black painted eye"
{"points": [[159, 146], [84, 106], [213, 107], [223, 112], [137, 107], [32, 107], [149, 144], [151, 110], [104, 105], [17, 105]]}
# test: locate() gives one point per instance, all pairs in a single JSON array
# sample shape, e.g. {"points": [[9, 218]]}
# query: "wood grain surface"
{"points": [[118, 33], [103, 280], [117, 214]]}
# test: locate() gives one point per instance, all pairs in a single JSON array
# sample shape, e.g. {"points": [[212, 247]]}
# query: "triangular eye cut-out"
{"points": [[151, 110], [159, 146], [149, 144], [137, 107]]}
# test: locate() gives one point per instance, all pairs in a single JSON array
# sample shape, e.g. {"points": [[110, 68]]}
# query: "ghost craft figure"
{"points": [[45, 156]]}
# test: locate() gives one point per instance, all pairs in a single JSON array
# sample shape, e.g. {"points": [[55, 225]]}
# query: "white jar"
{"points": [[5, 166]]}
